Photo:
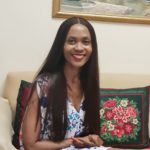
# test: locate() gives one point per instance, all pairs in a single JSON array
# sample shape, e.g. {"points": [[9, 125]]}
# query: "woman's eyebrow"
{"points": [[71, 37], [87, 38], [74, 37]]}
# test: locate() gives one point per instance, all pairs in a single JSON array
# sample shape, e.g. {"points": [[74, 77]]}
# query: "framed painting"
{"points": [[126, 11]]}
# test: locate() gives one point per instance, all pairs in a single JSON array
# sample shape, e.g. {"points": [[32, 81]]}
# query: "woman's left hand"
{"points": [[90, 140], [95, 139]]}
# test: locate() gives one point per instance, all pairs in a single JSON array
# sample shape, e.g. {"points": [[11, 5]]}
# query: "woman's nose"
{"points": [[79, 46]]}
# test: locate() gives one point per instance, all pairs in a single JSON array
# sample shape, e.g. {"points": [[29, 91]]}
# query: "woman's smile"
{"points": [[77, 47], [78, 57]]}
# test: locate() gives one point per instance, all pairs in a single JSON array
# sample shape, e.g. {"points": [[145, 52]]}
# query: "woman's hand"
{"points": [[87, 141], [96, 140], [66, 143]]}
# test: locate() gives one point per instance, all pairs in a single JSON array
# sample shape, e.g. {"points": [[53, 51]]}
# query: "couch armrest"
{"points": [[6, 130]]}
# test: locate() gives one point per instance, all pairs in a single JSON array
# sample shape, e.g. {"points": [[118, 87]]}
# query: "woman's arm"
{"points": [[31, 129]]}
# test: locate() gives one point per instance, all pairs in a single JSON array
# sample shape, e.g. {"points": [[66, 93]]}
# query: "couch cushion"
{"points": [[6, 130], [124, 117], [12, 85]]}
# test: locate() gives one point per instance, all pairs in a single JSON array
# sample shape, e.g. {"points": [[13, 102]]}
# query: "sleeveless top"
{"points": [[74, 118]]}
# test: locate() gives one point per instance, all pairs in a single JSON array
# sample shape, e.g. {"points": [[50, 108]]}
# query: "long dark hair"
{"points": [[89, 77]]}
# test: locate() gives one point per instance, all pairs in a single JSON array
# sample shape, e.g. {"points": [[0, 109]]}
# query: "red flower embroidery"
{"points": [[128, 127], [131, 112], [119, 120], [118, 131], [109, 115], [110, 103]]}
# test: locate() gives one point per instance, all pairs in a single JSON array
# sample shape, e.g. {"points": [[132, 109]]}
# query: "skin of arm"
{"points": [[31, 130]]}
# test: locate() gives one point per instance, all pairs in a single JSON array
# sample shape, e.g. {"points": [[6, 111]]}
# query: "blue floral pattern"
{"points": [[74, 119]]}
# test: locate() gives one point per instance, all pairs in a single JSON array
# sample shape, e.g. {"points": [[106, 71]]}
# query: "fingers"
{"points": [[96, 140], [99, 141], [87, 142], [93, 140], [83, 142], [78, 142], [66, 143], [90, 141]]}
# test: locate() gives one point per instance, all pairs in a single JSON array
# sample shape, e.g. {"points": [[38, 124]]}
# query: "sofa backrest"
{"points": [[106, 81], [112, 80], [12, 85]]}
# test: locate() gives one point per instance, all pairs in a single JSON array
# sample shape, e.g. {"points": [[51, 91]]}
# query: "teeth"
{"points": [[78, 56]]}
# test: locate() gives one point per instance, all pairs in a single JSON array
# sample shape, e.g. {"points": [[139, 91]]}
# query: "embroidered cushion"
{"points": [[23, 94], [124, 117]]}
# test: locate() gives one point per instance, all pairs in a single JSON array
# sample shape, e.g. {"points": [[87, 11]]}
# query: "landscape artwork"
{"points": [[138, 10]]}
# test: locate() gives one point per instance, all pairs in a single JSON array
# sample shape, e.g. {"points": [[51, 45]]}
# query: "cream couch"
{"points": [[8, 99]]}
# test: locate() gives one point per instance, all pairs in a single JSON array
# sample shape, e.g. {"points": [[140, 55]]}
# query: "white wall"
{"points": [[27, 32]]}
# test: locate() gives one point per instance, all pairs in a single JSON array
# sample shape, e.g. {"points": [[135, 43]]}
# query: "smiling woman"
{"points": [[77, 48], [59, 111]]}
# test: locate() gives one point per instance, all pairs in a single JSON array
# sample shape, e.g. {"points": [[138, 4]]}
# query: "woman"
{"points": [[63, 108]]}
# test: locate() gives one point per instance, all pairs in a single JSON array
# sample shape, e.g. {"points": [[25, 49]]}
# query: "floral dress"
{"points": [[74, 119]]}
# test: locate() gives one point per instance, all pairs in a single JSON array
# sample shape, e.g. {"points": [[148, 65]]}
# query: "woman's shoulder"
{"points": [[42, 77], [43, 82], [46, 77]]}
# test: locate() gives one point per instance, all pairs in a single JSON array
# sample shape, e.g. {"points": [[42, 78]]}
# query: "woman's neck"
{"points": [[74, 89], [71, 74]]}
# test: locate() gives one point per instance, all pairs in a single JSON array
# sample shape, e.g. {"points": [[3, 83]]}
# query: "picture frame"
{"points": [[110, 12]]}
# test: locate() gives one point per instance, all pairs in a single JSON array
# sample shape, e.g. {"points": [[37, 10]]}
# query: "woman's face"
{"points": [[77, 46]]}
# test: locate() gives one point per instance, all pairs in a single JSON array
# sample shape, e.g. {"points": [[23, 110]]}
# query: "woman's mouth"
{"points": [[78, 56]]}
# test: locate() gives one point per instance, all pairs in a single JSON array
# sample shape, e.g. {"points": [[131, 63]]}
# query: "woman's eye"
{"points": [[86, 42], [71, 41]]}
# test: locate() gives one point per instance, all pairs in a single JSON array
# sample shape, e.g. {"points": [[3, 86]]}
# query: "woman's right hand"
{"points": [[66, 143]]}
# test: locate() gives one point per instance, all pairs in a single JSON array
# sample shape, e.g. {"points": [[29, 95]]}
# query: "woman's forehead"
{"points": [[78, 30]]}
